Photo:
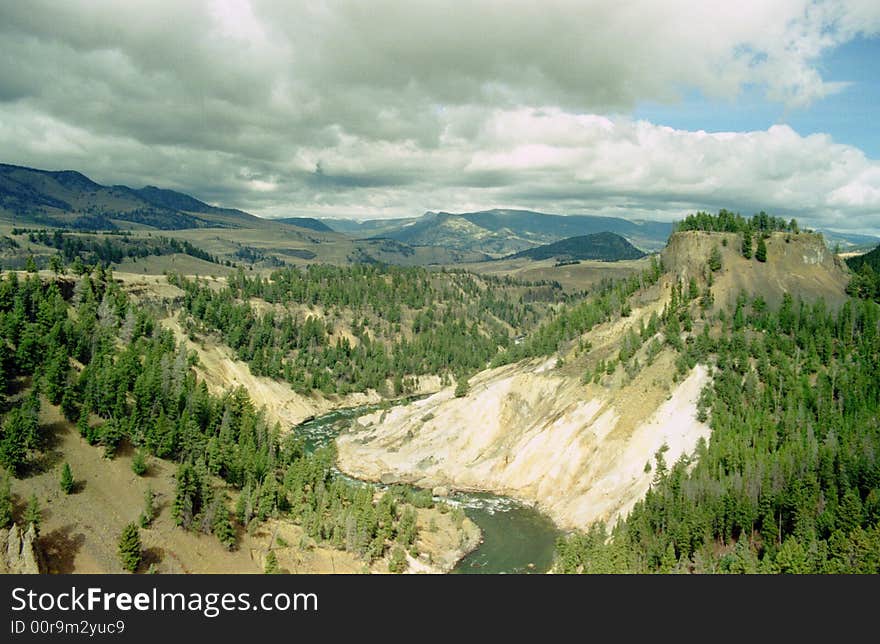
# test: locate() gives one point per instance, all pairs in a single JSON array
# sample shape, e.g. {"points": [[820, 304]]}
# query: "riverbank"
{"points": [[496, 535], [443, 539], [532, 432]]}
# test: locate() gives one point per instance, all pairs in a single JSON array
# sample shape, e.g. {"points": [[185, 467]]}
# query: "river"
{"points": [[516, 537]]}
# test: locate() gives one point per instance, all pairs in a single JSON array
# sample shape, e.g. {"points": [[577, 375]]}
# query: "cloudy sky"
{"points": [[374, 108]]}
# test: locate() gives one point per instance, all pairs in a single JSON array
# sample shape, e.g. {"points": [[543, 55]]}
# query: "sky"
{"points": [[373, 109]]}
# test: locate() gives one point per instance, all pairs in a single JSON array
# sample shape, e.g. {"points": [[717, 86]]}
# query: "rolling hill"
{"points": [[606, 247], [500, 233], [69, 199]]}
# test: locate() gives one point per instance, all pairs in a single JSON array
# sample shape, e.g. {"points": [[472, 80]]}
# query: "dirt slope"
{"points": [[799, 264], [80, 531], [533, 434]]}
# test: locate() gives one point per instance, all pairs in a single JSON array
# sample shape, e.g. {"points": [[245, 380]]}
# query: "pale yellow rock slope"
{"points": [[527, 432]]}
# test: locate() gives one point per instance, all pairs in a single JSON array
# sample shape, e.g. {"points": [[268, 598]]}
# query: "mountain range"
{"points": [[69, 199], [499, 233]]}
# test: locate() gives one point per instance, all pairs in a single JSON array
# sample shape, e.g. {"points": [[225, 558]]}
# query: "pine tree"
{"points": [[271, 565], [187, 499], [6, 506], [462, 387], [715, 259], [747, 244], [69, 406], [12, 445], [761, 252], [397, 563], [33, 514], [56, 264], [222, 527], [139, 463], [67, 483], [243, 506], [129, 548], [149, 512]]}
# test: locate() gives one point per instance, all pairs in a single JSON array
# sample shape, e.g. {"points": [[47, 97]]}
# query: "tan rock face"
{"points": [[525, 431], [19, 554], [799, 264]]}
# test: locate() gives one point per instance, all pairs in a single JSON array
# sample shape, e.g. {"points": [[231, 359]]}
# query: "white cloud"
{"points": [[391, 108]]}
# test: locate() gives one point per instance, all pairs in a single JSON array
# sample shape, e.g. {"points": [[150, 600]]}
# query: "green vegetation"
{"points": [[568, 323], [865, 283], [715, 259], [405, 322], [761, 250], [223, 528], [725, 221], [33, 515], [139, 463], [6, 506], [129, 548], [729, 222], [271, 565], [790, 481], [141, 387], [149, 512], [398, 563], [67, 484], [747, 244], [109, 247], [461, 386]]}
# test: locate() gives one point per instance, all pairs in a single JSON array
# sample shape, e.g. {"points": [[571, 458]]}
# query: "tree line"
{"points": [[790, 480], [119, 376], [865, 282], [344, 329], [112, 248]]}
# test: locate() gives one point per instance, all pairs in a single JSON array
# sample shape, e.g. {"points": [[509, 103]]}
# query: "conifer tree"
{"points": [[462, 387], [149, 512], [33, 514], [139, 463], [397, 563], [747, 244], [129, 548], [67, 483], [222, 527], [5, 502], [715, 259], [761, 251], [271, 565], [13, 442]]}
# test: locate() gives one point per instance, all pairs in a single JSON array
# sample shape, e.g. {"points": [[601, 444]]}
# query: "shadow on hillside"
{"points": [[60, 548], [48, 457], [151, 557]]}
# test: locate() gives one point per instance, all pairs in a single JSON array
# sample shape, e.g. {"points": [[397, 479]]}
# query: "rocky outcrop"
{"points": [[797, 263], [19, 553], [525, 431]]}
